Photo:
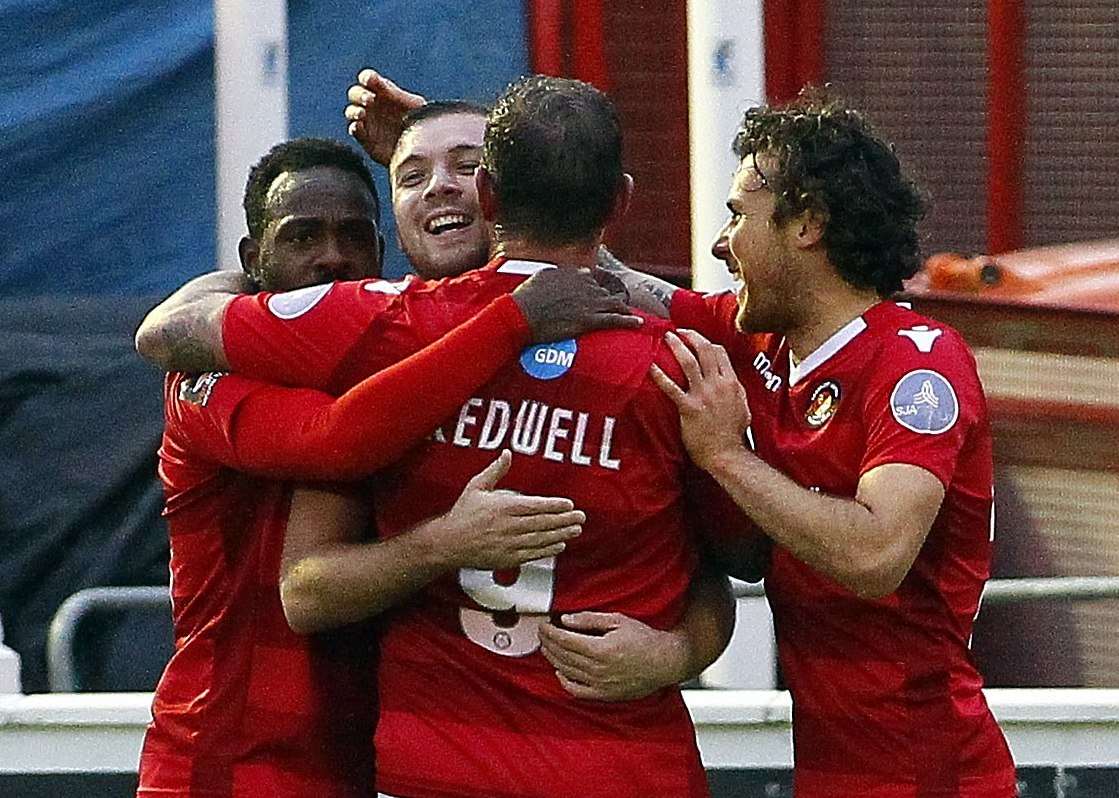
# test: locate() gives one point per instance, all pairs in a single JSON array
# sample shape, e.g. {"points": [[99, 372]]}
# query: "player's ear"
{"points": [[248, 250], [621, 200], [808, 228], [487, 193]]}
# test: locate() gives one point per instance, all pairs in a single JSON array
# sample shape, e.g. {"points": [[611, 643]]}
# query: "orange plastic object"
{"points": [[1084, 274]]}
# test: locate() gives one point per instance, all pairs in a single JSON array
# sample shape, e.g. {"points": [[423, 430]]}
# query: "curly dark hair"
{"points": [[291, 156], [832, 162], [554, 149]]}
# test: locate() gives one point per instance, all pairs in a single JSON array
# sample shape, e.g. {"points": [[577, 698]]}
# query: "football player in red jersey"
{"points": [[475, 710], [433, 150], [605, 656], [245, 706], [871, 465]]}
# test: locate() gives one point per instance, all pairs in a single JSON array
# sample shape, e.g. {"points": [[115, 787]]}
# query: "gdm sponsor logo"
{"points": [[549, 361]]}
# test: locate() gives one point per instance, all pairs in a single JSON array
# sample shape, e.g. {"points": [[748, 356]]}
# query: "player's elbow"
{"points": [[873, 586], [875, 575], [184, 336], [150, 342], [303, 597]]}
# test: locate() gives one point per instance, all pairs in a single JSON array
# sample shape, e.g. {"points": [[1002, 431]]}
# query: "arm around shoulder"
{"points": [[183, 333]]}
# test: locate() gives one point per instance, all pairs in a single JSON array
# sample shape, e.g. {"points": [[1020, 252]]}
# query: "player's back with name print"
{"points": [[463, 683], [584, 421]]}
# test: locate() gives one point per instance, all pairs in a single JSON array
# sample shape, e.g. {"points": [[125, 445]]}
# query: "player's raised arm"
{"points": [[612, 657], [299, 338], [376, 111], [330, 579], [183, 332]]}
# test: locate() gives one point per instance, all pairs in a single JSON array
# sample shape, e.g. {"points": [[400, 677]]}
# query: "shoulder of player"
{"points": [[904, 336], [322, 300], [622, 355], [460, 287], [914, 355], [649, 337], [407, 283]]}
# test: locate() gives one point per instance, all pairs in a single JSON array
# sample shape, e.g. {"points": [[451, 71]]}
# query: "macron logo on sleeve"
{"points": [[922, 337], [293, 304]]}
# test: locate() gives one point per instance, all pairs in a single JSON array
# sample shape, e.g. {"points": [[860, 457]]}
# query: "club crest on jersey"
{"points": [[549, 361], [925, 402], [822, 404], [293, 304]]}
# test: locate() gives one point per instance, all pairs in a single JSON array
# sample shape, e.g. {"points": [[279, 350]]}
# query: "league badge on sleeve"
{"points": [[925, 402], [549, 361], [293, 304], [823, 404], [197, 390]]}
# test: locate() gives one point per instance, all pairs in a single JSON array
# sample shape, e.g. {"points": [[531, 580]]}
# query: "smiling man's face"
{"points": [[434, 200]]}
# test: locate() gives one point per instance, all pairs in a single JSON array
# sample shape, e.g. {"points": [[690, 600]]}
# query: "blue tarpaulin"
{"points": [[107, 120], [107, 155]]}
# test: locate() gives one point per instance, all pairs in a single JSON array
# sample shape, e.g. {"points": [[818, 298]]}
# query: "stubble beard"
{"points": [[773, 312], [435, 265]]}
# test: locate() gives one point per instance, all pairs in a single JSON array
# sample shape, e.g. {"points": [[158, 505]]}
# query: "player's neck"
{"points": [[573, 255], [826, 311]]}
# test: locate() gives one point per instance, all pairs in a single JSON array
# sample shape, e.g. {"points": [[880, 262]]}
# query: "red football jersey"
{"points": [[245, 707], [469, 705], [886, 698]]}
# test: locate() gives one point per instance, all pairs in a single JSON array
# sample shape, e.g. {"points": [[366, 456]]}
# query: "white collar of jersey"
{"points": [[825, 351], [524, 266]]}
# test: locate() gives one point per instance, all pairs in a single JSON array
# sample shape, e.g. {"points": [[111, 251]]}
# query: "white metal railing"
{"points": [[61, 671]]}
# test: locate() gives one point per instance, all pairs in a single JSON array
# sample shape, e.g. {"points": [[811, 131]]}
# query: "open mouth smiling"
{"points": [[447, 222]]}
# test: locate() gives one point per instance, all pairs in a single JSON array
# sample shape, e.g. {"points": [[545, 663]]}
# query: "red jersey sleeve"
{"points": [[711, 315], [289, 433], [411, 321], [922, 403], [299, 337]]}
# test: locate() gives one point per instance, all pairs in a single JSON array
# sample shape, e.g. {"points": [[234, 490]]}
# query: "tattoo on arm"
{"points": [[608, 261], [661, 289], [644, 291], [184, 332], [190, 347]]}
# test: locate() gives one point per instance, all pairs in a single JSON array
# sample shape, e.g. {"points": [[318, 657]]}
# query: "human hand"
{"points": [[376, 113], [714, 413], [607, 656], [562, 303], [492, 529]]}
